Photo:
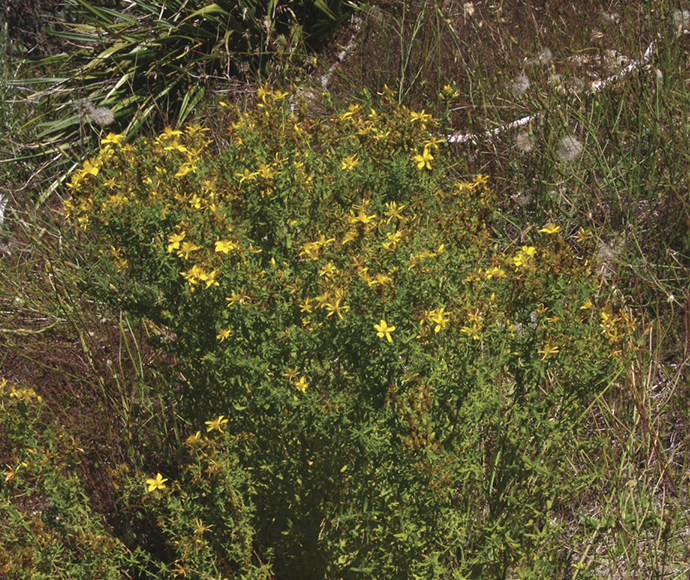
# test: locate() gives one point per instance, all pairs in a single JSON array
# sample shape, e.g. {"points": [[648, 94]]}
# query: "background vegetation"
{"points": [[259, 324]]}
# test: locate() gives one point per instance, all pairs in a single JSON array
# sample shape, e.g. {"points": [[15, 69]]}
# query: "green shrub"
{"points": [[47, 528], [410, 390], [197, 526]]}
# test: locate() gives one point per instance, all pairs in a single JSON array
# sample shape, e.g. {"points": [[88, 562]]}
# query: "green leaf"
{"points": [[190, 100], [206, 10], [321, 5]]}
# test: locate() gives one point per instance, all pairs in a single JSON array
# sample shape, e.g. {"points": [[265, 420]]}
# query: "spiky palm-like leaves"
{"points": [[151, 61]]}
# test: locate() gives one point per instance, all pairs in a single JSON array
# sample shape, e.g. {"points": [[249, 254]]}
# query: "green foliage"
{"points": [[155, 60], [198, 526], [410, 390], [47, 528]]}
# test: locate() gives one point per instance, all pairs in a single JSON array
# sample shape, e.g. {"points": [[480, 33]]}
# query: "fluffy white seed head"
{"points": [[576, 85], [610, 17], [608, 256], [520, 86], [524, 142], [544, 57], [569, 148], [681, 20], [101, 116]]}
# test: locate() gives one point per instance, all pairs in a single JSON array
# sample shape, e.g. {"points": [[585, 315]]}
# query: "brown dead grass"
{"points": [[484, 42], [75, 357]]}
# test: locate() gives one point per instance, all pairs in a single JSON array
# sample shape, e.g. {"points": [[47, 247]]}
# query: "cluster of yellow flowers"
{"points": [[170, 141], [474, 325], [617, 327], [335, 257], [312, 250], [524, 256], [26, 395], [158, 483], [438, 317]]}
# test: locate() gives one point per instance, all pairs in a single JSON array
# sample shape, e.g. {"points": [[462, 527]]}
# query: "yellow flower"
{"points": [[200, 527], [424, 159], [169, 133], [263, 92], [224, 246], [176, 146], [119, 260], [11, 473], [223, 334], [473, 331], [321, 299], [186, 249], [301, 385], [550, 228], [336, 307], [196, 129], [361, 217], [210, 278], [246, 175], [328, 270], [91, 168], [583, 235], [422, 117], [525, 253], [312, 249], [351, 110], [448, 92], [384, 331], [157, 482], [350, 236], [194, 274], [440, 318], [195, 201], [548, 350], [112, 138], [434, 142], [393, 211], [265, 171], [193, 439], [380, 279], [349, 163], [238, 298], [520, 260], [494, 272], [185, 168], [394, 238], [216, 425]]}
